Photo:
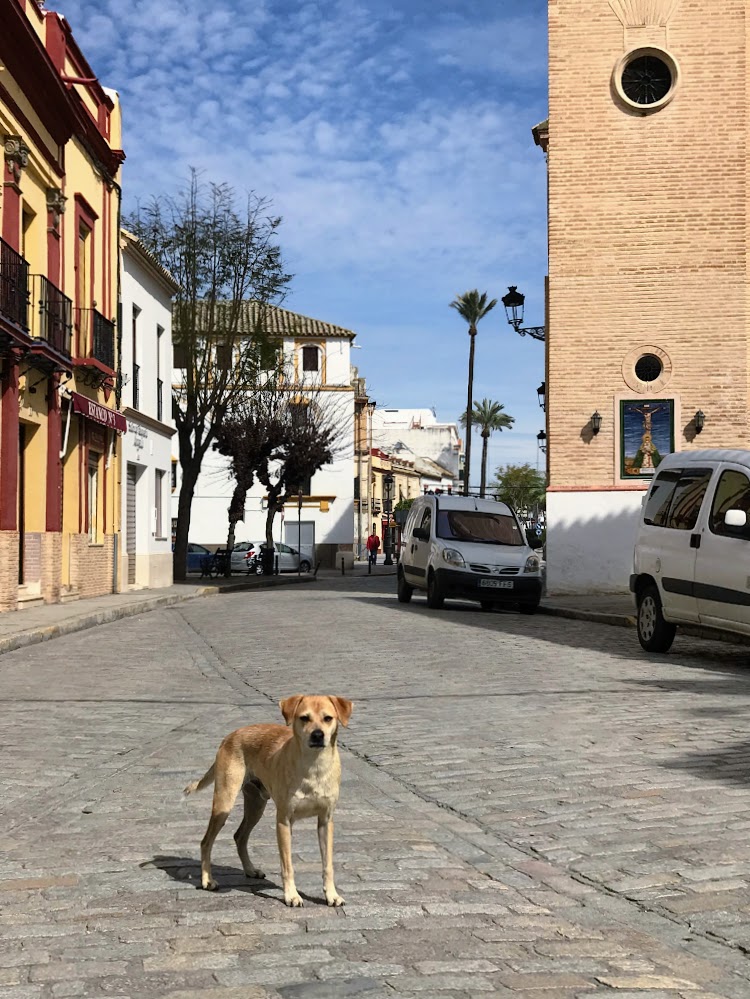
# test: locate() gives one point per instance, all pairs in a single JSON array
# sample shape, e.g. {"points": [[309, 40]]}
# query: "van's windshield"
{"points": [[479, 527]]}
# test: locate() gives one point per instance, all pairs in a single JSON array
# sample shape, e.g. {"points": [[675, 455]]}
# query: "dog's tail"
{"points": [[198, 785]]}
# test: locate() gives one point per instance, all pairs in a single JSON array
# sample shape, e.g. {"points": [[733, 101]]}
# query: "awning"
{"points": [[99, 414]]}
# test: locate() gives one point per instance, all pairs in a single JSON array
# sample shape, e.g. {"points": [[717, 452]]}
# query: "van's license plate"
{"points": [[497, 584]]}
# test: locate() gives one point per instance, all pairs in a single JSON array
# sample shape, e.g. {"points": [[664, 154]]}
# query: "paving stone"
{"points": [[574, 776]]}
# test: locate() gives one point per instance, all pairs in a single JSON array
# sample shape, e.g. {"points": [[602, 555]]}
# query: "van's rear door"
{"points": [[672, 538]]}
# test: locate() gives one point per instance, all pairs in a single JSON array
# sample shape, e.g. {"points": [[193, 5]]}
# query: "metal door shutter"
{"points": [[130, 524]]}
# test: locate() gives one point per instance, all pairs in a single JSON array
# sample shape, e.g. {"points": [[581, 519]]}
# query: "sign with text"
{"points": [[93, 410]]}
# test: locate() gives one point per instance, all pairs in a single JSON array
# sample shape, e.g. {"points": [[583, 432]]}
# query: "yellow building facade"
{"points": [[59, 220]]}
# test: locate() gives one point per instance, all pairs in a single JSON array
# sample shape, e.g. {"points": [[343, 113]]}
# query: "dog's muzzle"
{"points": [[317, 739]]}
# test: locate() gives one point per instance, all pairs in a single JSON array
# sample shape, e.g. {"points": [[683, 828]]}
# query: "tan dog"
{"points": [[297, 765]]}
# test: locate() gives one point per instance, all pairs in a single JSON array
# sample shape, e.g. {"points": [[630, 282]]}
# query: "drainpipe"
{"points": [[67, 431]]}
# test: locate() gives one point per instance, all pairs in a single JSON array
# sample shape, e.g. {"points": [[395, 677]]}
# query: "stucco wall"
{"points": [[590, 538]]}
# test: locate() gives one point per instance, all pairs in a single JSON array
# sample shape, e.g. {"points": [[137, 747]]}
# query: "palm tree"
{"points": [[488, 416], [472, 307]]}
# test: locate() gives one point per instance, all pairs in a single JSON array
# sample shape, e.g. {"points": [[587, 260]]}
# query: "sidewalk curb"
{"points": [[92, 619], [596, 617]]}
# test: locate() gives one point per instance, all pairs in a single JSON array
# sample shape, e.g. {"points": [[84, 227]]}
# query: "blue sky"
{"points": [[395, 140]]}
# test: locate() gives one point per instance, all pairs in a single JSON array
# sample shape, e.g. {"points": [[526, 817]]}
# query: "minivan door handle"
{"points": [[695, 540]]}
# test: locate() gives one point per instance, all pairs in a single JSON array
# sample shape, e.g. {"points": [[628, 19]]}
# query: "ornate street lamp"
{"points": [[542, 441], [387, 541], [542, 394], [513, 303]]}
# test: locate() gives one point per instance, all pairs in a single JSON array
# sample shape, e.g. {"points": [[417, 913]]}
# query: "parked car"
{"points": [[195, 556], [245, 557], [461, 546], [691, 562]]}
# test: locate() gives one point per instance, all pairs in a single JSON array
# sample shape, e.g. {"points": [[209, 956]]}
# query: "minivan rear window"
{"points": [[687, 499], [479, 527], [676, 497], [657, 506]]}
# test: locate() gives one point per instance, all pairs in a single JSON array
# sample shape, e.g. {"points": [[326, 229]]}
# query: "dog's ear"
{"points": [[289, 707], [343, 708]]}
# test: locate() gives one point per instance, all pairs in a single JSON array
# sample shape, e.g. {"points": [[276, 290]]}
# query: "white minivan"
{"points": [[462, 546], [691, 563]]}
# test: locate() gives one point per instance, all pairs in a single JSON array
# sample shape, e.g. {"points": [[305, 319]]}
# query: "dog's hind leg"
{"points": [[256, 799], [227, 784]]}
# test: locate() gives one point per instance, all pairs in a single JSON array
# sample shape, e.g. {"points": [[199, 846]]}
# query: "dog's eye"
{"points": [[327, 718], [304, 718]]}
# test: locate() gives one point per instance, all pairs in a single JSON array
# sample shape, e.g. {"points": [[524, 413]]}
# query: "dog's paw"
{"points": [[254, 873], [210, 885], [334, 900], [293, 900]]}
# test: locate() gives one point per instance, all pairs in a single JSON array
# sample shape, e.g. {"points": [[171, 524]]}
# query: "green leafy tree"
{"points": [[472, 307], [488, 416], [224, 258], [521, 487]]}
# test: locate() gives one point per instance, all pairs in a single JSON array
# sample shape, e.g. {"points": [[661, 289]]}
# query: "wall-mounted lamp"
{"points": [[541, 438], [542, 394], [596, 422], [699, 420]]}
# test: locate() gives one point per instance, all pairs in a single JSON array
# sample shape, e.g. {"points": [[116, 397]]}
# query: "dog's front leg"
{"points": [[325, 839], [284, 839]]}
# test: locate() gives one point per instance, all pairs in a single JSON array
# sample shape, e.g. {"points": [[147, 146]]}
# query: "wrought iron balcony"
{"points": [[95, 338], [159, 399], [51, 315], [136, 385], [14, 286]]}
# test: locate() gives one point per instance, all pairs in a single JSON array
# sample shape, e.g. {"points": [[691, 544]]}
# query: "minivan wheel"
{"points": [[486, 605], [403, 590], [435, 595], [654, 633], [528, 608]]}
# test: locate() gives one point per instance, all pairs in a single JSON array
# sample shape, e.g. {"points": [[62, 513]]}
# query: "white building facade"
{"points": [[146, 365], [415, 434], [319, 354]]}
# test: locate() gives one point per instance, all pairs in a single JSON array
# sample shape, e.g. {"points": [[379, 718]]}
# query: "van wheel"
{"points": [[486, 605], [403, 590], [528, 608], [654, 633], [435, 595]]}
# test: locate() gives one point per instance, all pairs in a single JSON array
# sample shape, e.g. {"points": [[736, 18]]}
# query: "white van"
{"points": [[461, 546], [692, 551]]}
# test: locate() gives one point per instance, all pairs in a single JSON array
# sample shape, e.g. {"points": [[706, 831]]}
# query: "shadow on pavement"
{"points": [[188, 871]]}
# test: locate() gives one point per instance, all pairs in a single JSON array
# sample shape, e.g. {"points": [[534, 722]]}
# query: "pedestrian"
{"points": [[373, 544]]}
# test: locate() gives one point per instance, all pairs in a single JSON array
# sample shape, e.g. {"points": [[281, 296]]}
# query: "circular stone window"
{"points": [[648, 368], [645, 79]]}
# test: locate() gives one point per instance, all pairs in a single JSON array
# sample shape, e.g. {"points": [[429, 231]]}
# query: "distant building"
{"points": [[146, 364], [415, 435], [319, 353]]}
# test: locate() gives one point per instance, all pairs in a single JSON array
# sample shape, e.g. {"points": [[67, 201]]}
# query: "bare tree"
{"points": [[228, 266], [281, 434]]}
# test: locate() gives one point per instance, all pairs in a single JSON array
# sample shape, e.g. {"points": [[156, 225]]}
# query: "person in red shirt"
{"points": [[373, 544]]}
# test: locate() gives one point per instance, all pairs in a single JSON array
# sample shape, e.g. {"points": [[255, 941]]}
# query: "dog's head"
{"points": [[315, 718]]}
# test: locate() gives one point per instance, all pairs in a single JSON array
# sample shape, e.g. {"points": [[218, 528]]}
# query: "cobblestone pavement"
{"points": [[531, 807]]}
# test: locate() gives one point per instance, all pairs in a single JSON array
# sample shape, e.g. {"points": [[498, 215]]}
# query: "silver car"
{"points": [[245, 552]]}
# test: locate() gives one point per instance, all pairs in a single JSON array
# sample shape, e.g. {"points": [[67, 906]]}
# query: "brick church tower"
{"points": [[649, 296]]}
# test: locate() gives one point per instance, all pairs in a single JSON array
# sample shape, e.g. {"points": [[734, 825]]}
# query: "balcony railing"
{"points": [[96, 337], [14, 286], [136, 386], [51, 315], [159, 399]]}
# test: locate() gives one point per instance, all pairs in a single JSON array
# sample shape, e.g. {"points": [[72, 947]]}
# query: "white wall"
{"points": [[148, 442], [590, 537]]}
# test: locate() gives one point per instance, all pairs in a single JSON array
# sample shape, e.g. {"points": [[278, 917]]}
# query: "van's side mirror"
{"points": [[421, 533], [735, 519]]}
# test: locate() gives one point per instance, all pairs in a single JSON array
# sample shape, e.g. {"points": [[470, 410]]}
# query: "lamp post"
{"points": [[387, 541], [299, 533], [513, 303], [542, 396]]}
